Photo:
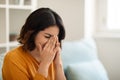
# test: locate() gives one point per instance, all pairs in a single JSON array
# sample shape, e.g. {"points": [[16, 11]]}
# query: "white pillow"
{"points": [[92, 70]]}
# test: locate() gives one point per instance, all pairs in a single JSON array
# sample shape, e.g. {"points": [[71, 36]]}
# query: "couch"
{"points": [[80, 61]]}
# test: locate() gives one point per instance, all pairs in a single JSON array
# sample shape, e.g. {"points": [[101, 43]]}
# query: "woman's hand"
{"points": [[59, 72], [47, 55], [57, 59]]}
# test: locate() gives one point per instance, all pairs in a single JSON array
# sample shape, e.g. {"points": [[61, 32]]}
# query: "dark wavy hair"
{"points": [[37, 21]]}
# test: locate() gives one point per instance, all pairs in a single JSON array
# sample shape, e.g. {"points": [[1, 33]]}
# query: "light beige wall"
{"points": [[108, 47], [72, 14], [16, 21], [2, 26], [109, 54]]}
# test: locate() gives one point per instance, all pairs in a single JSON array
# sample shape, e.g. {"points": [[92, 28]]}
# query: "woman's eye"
{"points": [[47, 36]]}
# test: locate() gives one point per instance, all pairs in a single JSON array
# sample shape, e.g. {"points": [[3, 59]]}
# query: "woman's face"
{"points": [[43, 36]]}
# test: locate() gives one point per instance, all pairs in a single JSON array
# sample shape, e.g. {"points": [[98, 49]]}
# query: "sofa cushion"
{"points": [[78, 51], [92, 70]]}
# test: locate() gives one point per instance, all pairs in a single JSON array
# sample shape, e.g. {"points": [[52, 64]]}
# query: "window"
{"points": [[113, 14], [107, 18], [102, 18]]}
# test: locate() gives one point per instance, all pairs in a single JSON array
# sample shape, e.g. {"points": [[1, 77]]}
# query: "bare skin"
{"points": [[47, 51]]}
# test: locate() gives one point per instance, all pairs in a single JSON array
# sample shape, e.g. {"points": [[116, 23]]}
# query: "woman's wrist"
{"points": [[59, 72], [58, 66], [57, 63], [43, 69]]}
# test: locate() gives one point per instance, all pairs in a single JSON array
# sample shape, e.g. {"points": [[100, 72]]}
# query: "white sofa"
{"points": [[80, 61]]}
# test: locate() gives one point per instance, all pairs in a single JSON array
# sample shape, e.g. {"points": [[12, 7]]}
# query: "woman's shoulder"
{"points": [[15, 54], [15, 58]]}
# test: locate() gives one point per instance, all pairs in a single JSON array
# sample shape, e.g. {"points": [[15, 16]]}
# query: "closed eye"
{"points": [[47, 36]]}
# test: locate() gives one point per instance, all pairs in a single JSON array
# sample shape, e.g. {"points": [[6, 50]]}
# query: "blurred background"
{"points": [[98, 19]]}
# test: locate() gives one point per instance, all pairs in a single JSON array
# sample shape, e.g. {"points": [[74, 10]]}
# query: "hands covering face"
{"points": [[49, 52]]}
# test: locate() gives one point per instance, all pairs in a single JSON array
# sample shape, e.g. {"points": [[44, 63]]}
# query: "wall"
{"points": [[16, 21], [108, 46], [2, 26], [109, 54], [72, 14]]}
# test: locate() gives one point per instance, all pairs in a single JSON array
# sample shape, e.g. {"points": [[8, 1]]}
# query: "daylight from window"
{"points": [[113, 14]]}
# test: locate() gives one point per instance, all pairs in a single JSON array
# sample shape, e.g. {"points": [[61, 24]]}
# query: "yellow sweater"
{"points": [[20, 65]]}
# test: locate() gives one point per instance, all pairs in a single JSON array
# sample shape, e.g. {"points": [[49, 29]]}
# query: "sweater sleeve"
{"points": [[12, 71], [39, 77]]}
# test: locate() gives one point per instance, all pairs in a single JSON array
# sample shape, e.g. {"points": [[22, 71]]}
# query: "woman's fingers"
{"points": [[50, 45], [47, 44], [53, 42], [50, 49]]}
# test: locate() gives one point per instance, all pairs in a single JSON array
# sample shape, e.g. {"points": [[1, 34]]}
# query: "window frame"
{"points": [[100, 28]]}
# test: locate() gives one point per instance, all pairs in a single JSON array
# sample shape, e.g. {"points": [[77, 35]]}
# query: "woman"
{"points": [[38, 57]]}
